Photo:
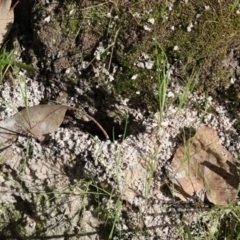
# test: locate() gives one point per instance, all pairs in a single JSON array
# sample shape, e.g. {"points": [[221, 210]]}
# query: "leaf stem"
{"points": [[91, 118]]}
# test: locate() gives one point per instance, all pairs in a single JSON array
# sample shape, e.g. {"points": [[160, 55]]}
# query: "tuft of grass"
{"points": [[163, 77], [7, 62], [189, 84], [235, 5]]}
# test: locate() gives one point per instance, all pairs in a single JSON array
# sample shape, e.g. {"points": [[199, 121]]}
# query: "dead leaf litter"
{"points": [[203, 164]]}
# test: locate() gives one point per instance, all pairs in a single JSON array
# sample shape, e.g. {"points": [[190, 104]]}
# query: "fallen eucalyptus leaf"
{"points": [[203, 164], [6, 19], [40, 120]]}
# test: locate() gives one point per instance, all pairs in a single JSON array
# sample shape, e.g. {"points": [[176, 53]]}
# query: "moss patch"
{"points": [[204, 32]]}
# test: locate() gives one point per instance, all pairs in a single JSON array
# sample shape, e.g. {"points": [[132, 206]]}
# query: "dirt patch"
{"points": [[114, 59]]}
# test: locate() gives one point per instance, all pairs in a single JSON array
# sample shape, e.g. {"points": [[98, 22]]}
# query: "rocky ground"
{"points": [[108, 58]]}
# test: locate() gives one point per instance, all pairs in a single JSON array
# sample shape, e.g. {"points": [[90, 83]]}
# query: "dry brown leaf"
{"points": [[203, 164], [40, 120], [6, 19]]}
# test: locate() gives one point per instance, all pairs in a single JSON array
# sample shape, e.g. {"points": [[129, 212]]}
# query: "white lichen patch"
{"points": [[13, 95], [144, 61]]}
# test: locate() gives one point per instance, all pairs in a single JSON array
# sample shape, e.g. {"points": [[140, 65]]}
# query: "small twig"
{"points": [[91, 118], [12, 8]]}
